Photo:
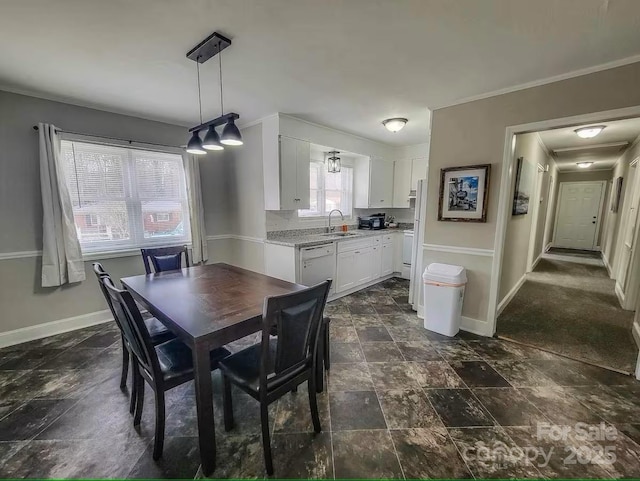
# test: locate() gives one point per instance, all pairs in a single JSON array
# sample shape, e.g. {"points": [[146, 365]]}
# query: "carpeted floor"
{"points": [[568, 305]]}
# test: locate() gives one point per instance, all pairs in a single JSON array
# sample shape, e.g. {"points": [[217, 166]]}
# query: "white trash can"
{"points": [[443, 295]]}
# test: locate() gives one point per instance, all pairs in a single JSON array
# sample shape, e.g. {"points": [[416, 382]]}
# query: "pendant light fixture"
{"points": [[210, 47], [333, 162]]}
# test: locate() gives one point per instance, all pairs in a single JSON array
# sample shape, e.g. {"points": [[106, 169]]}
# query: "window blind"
{"points": [[125, 198]]}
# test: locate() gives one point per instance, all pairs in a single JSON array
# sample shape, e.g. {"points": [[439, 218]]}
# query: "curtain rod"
{"points": [[35, 127]]}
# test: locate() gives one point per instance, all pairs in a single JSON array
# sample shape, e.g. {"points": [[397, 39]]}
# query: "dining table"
{"points": [[206, 307]]}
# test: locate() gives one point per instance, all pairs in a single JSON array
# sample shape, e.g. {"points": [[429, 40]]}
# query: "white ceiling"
{"points": [[348, 64], [602, 153]]}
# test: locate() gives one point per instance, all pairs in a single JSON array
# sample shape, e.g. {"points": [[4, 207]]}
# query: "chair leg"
{"points": [[313, 404], [266, 441], [227, 403], [139, 397], [158, 443], [134, 386], [125, 365]]}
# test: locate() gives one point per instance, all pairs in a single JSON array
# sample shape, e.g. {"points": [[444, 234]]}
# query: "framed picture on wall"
{"points": [[464, 193], [522, 192], [617, 195]]}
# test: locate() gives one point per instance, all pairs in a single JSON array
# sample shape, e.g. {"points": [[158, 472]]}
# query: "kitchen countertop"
{"points": [[310, 240]]}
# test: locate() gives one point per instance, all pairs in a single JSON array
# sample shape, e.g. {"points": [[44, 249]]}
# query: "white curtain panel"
{"points": [[61, 254], [199, 251]]}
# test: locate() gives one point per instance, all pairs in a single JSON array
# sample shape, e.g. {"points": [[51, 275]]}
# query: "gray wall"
{"points": [[24, 302], [474, 133]]}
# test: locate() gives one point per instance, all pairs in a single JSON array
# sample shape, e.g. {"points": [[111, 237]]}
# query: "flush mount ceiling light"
{"points": [[333, 162], [395, 124], [208, 48], [589, 132], [584, 165]]}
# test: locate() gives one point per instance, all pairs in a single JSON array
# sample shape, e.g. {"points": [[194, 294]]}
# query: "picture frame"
{"points": [[464, 193], [617, 195], [521, 193]]}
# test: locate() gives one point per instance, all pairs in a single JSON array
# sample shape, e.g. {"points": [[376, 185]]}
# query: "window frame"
{"points": [[133, 202], [322, 189]]}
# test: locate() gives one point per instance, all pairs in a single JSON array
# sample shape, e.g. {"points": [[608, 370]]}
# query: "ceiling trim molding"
{"points": [[607, 145], [538, 83], [574, 170], [542, 145]]}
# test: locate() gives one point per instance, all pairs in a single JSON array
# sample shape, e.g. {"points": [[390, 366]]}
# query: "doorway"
{"points": [[557, 290]]}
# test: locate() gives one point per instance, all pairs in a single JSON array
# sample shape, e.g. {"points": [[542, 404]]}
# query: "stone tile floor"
{"points": [[401, 403]]}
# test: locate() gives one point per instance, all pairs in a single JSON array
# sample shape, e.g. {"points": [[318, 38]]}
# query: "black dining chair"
{"points": [[277, 365], [163, 366], [165, 258], [157, 332]]}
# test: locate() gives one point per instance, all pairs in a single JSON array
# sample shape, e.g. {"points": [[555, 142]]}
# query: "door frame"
{"points": [[506, 195], [531, 262], [603, 192]]}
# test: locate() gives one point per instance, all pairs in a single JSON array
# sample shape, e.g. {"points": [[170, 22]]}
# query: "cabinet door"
{"points": [[418, 171], [288, 173], [387, 259], [346, 271], [401, 183], [362, 267], [303, 159], [381, 183], [376, 262]]}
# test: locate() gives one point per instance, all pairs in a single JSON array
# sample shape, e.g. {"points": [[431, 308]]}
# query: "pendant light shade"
{"points": [[333, 163], [231, 134], [212, 140], [195, 145]]}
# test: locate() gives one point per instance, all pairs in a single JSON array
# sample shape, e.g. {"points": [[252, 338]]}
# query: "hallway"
{"points": [[567, 305]]}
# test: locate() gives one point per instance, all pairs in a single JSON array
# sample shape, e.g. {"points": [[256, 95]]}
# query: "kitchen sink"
{"points": [[340, 234]]}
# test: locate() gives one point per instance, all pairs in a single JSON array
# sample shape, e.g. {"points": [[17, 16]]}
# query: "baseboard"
{"points": [[636, 333], [475, 326], [511, 294], [606, 263], [338, 295], [548, 246], [620, 294], [52, 328], [535, 263]]}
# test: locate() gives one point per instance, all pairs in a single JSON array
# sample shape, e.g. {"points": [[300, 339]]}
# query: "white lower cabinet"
{"points": [[386, 259], [363, 260], [346, 271], [376, 261]]}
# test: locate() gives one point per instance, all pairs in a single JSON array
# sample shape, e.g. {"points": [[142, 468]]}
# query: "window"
{"points": [[125, 198], [329, 191]]}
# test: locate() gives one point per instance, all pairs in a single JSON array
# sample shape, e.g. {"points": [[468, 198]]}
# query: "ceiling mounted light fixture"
{"points": [[208, 48], [395, 124], [584, 165], [334, 164], [589, 132]]}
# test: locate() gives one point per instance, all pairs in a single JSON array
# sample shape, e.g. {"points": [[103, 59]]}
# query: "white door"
{"points": [[346, 271], [401, 183], [381, 183], [387, 259], [362, 267], [288, 173], [303, 159], [376, 261], [628, 230], [578, 218], [418, 171]]}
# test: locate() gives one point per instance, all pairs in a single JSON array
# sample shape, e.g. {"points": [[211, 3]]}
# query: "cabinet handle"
{"points": [[357, 252]]}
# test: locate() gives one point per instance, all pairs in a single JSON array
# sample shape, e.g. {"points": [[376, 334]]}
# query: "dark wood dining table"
{"points": [[207, 307]]}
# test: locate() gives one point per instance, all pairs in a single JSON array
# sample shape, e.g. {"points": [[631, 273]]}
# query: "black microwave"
{"points": [[372, 222]]}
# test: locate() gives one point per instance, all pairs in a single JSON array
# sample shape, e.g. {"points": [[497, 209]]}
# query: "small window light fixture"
{"points": [[589, 132], [333, 162], [395, 124], [584, 165]]}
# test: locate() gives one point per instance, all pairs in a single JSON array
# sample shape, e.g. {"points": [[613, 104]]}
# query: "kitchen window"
{"points": [[329, 191], [125, 198]]}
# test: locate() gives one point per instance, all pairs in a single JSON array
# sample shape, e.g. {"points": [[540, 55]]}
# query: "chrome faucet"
{"points": [[330, 229]]}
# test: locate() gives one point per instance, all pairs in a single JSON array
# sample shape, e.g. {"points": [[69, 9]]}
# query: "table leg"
{"points": [[204, 404]]}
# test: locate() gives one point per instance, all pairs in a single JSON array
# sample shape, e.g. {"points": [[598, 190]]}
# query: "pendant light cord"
{"points": [[199, 94], [220, 68]]}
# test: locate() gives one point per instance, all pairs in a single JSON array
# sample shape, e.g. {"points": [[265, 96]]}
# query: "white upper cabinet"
{"points": [[418, 171], [373, 183], [290, 189], [401, 183]]}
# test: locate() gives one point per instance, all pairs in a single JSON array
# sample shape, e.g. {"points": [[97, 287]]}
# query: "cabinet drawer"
{"points": [[350, 245], [387, 238]]}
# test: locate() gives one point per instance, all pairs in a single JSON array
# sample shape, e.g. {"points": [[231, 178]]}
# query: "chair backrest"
{"points": [[101, 273], [297, 319], [133, 327], [165, 258]]}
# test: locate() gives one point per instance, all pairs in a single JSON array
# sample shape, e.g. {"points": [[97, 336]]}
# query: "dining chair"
{"points": [[165, 258], [157, 332], [277, 365], [163, 366]]}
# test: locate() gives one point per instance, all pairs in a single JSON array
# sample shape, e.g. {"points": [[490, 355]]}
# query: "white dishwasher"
{"points": [[317, 264]]}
